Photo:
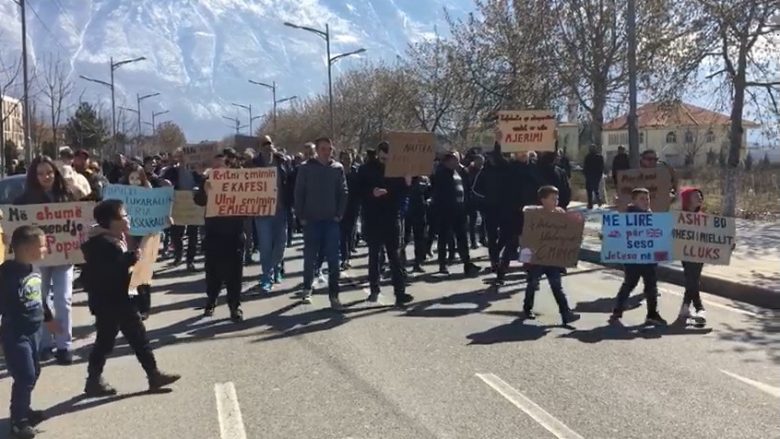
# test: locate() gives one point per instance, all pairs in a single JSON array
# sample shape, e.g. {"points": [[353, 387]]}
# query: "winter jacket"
{"points": [[593, 167], [449, 192], [320, 191], [555, 176], [106, 273], [380, 211]]}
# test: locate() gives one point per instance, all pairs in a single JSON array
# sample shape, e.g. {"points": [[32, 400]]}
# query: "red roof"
{"points": [[656, 115]]}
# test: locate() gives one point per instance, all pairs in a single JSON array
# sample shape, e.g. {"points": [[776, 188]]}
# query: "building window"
{"points": [[641, 137], [689, 137], [710, 137], [671, 137]]}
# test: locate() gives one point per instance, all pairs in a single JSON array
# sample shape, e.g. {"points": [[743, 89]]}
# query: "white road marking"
{"points": [[546, 420], [715, 304], [231, 424], [772, 390]]}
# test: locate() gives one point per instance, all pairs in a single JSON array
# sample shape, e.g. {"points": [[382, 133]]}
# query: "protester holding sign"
{"points": [[224, 248], [45, 184], [692, 200], [548, 199], [633, 272], [183, 179]]}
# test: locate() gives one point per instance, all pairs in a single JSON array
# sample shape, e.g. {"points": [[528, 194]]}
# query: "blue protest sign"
{"points": [[149, 209], [636, 238]]}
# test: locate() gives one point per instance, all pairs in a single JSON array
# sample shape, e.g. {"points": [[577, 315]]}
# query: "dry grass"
{"points": [[758, 197]]}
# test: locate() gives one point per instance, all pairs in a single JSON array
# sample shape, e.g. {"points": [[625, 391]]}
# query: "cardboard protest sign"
{"points": [[527, 130], [149, 209], [185, 212], [241, 192], [636, 238], [700, 237], [657, 180], [143, 270], [551, 238], [66, 226], [410, 154], [199, 156]]}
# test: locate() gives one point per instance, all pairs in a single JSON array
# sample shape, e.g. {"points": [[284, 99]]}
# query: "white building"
{"points": [[13, 128]]}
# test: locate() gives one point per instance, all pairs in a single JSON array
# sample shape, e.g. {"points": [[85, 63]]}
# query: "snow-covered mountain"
{"points": [[201, 53]]}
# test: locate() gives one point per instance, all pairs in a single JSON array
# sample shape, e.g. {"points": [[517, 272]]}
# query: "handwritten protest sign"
{"points": [[185, 212], [66, 226], [657, 180], [700, 237], [143, 270], [199, 156], [410, 154], [241, 192], [551, 238], [527, 130], [149, 209], [636, 238]]}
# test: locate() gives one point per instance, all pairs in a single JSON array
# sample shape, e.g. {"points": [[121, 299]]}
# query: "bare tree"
{"points": [[57, 88]]}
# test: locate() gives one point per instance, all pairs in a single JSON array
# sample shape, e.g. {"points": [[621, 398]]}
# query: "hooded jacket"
{"points": [[685, 196], [106, 272]]}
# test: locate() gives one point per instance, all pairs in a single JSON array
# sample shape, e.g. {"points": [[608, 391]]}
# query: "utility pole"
{"points": [[276, 102], [26, 98], [633, 129], [331, 60]]}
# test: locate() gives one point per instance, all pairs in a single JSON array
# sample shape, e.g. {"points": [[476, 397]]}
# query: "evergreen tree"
{"points": [[86, 130]]}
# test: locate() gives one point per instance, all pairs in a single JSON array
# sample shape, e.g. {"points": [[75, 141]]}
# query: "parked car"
{"points": [[11, 188]]}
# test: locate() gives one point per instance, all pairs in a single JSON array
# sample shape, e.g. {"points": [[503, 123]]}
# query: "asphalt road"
{"points": [[459, 363]]}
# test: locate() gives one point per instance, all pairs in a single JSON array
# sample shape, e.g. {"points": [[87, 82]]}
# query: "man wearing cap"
{"points": [[320, 202], [381, 200]]}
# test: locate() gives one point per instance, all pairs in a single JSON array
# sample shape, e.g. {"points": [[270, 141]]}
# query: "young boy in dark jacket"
{"points": [[106, 276], [640, 202], [548, 198], [23, 310], [692, 200]]}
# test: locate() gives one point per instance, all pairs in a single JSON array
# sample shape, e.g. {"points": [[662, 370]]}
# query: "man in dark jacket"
{"points": [[352, 212], [593, 169], [224, 249], [381, 200], [449, 199], [472, 171], [620, 163], [183, 179], [488, 195], [415, 221], [552, 175]]}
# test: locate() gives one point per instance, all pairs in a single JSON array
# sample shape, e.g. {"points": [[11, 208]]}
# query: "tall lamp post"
{"points": [[113, 65], [251, 119], [140, 98], [236, 122], [331, 60], [154, 120]]}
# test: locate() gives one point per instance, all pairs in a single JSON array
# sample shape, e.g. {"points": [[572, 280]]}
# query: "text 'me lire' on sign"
{"points": [[704, 238], [241, 192], [410, 153], [551, 238], [527, 130], [636, 238], [656, 180]]}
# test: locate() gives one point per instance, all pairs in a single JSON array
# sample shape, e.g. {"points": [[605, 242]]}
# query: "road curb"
{"points": [[763, 297]]}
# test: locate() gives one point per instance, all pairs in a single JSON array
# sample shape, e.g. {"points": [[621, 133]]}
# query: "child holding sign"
{"points": [[692, 200], [548, 197], [640, 202]]}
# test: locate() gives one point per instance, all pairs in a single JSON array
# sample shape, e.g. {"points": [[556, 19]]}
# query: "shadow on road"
{"points": [[511, 332]]}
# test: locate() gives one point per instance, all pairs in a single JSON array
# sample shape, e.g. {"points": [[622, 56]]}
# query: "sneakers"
{"points": [[97, 388], [569, 317], [266, 285], [685, 312], [335, 304], [373, 297], [402, 300], [418, 269], [443, 269], [22, 430], [208, 311], [700, 317], [159, 380], [655, 320], [306, 296], [64, 357], [529, 314], [471, 270], [278, 276], [236, 315]]}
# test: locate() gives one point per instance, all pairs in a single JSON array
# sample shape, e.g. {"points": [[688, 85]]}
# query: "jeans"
{"points": [[553, 278], [177, 237], [21, 357], [272, 234], [475, 229], [107, 326], [692, 271], [592, 187], [57, 284], [321, 239], [414, 231], [634, 272], [388, 238]]}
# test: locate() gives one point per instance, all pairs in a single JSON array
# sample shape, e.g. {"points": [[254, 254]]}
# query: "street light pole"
{"points": [[154, 117], [140, 98], [248, 108], [331, 60]]}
